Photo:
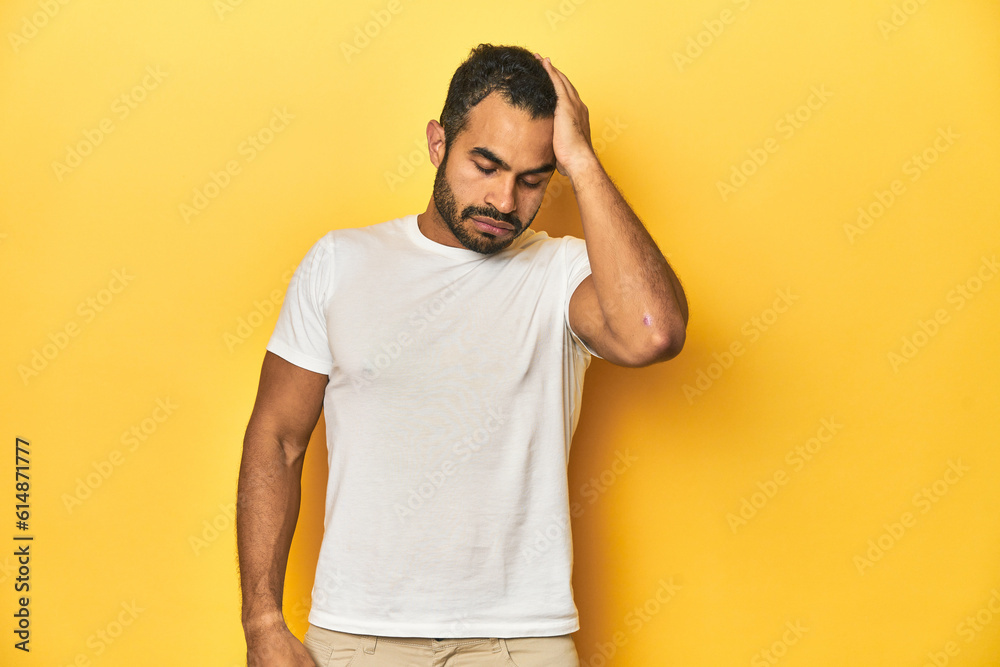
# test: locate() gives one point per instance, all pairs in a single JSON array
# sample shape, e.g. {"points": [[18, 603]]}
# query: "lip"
{"points": [[492, 226]]}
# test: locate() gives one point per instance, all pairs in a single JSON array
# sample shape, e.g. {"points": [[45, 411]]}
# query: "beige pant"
{"points": [[332, 648]]}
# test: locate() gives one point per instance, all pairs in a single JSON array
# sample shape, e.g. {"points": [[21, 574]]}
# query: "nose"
{"points": [[501, 196]]}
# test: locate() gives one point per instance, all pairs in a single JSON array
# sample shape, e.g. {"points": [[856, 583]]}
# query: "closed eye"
{"points": [[490, 171]]}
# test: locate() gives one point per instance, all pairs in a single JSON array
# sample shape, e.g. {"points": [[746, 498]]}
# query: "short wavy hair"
{"points": [[513, 71]]}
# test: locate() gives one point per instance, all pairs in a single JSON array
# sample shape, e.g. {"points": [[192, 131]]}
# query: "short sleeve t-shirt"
{"points": [[455, 384]]}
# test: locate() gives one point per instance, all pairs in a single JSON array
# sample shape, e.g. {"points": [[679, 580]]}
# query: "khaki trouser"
{"points": [[332, 648]]}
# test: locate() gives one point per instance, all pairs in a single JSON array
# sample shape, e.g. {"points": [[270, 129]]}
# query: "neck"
{"points": [[432, 225]]}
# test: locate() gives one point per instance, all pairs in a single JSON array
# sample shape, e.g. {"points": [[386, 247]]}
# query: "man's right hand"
{"points": [[276, 646], [288, 405]]}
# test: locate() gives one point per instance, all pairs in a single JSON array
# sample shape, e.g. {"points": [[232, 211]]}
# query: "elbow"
{"points": [[665, 346], [675, 343], [668, 339], [294, 450], [261, 444]]}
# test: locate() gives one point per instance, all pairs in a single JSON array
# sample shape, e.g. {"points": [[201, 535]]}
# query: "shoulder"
{"points": [[540, 244], [567, 254], [378, 233], [356, 238]]}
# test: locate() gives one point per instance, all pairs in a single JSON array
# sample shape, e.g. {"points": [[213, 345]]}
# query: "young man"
{"points": [[448, 350]]}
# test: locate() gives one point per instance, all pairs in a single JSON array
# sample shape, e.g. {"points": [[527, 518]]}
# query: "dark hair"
{"points": [[513, 71]]}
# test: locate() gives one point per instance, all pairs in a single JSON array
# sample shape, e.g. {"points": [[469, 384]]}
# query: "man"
{"points": [[448, 350]]}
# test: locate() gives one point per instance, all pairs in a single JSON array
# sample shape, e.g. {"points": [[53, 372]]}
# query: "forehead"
{"points": [[509, 132]]}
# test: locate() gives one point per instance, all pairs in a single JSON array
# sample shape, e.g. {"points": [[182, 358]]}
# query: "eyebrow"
{"points": [[493, 157]]}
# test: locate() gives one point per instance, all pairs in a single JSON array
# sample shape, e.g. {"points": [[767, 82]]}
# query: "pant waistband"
{"points": [[433, 643], [368, 642]]}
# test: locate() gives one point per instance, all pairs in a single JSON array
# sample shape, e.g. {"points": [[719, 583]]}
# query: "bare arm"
{"points": [[288, 404], [631, 309]]}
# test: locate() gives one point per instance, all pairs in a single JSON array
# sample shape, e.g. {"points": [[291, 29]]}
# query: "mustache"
{"points": [[509, 218]]}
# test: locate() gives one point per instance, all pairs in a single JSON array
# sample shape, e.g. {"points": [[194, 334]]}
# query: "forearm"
{"points": [[267, 508], [640, 296]]}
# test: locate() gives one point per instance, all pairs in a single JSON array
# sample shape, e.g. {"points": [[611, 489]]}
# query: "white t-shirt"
{"points": [[455, 388]]}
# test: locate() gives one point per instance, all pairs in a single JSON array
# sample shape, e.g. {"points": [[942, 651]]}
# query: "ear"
{"points": [[435, 142]]}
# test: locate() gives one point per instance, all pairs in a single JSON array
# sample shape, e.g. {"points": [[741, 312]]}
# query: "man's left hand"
{"points": [[571, 125]]}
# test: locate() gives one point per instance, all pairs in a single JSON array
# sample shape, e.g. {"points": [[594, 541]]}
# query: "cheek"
{"points": [[534, 196], [472, 189]]}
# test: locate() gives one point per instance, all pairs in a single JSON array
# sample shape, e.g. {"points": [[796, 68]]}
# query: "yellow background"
{"points": [[189, 324]]}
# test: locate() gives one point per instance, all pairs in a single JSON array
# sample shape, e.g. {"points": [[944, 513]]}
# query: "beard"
{"points": [[463, 227]]}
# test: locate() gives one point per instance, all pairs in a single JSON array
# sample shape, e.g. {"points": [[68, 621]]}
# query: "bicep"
{"points": [[588, 323], [288, 404]]}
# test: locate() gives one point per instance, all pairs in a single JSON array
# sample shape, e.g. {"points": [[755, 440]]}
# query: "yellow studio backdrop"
{"points": [[812, 481]]}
